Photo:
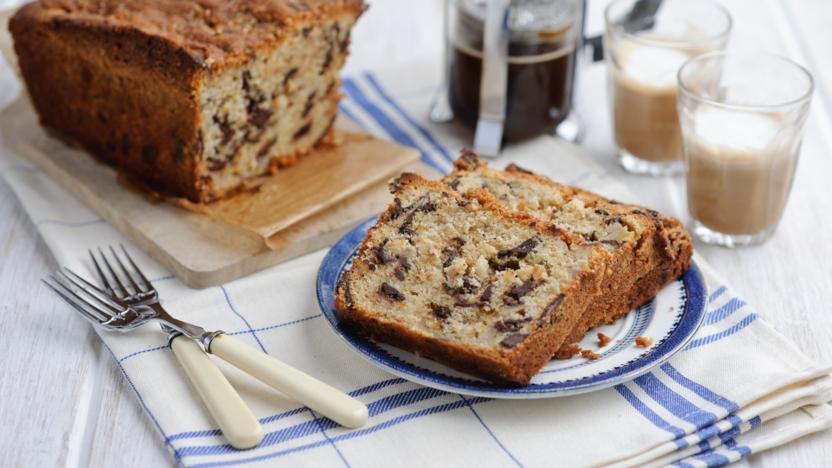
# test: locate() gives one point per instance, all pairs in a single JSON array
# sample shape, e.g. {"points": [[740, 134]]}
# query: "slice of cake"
{"points": [[191, 98], [457, 278], [648, 250]]}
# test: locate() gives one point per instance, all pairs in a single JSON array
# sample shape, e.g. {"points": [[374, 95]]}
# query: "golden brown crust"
{"points": [[212, 34], [515, 365], [162, 150]]}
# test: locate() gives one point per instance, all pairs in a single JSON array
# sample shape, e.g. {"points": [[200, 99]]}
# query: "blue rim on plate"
{"points": [[691, 302]]}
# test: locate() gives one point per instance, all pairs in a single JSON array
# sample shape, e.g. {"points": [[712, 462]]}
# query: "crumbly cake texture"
{"points": [[648, 249], [461, 280], [192, 98], [495, 272]]}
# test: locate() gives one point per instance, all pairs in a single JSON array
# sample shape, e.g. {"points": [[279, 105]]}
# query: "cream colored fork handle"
{"points": [[231, 414], [335, 405]]}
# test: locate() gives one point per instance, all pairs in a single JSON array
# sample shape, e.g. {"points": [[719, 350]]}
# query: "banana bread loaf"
{"points": [[457, 278], [648, 249], [192, 98]]}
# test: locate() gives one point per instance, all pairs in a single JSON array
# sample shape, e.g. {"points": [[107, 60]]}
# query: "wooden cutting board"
{"points": [[202, 251]]}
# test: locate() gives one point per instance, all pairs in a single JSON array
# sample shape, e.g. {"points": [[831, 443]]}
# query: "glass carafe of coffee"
{"points": [[541, 39]]}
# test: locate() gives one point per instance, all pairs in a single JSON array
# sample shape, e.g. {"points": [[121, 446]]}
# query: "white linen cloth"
{"points": [[738, 388]]}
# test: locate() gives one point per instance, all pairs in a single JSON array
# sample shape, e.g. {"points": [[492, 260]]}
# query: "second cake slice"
{"points": [[460, 280], [648, 250]]}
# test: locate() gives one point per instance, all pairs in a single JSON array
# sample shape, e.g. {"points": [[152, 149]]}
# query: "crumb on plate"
{"points": [[590, 354], [644, 341]]}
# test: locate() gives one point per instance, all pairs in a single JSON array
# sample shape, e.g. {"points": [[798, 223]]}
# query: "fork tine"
{"points": [[99, 295], [136, 287], [122, 289], [59, 288], [107, 310], [101, 274], [148, 286]]}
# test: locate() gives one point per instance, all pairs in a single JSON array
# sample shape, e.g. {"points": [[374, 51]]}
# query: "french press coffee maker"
{"points": [[510, 67]]}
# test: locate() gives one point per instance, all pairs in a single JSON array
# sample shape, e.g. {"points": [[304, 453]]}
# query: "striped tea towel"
{"points": [[737, 389]]}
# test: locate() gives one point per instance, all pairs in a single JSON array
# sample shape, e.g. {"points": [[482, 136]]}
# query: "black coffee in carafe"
{"points": [[542, 51]]}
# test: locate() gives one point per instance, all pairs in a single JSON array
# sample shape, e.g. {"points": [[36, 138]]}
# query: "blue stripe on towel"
{"points": [[279, 325], [275, 417], [403, 399], [390, 127], [315, 420], [725, 311], [715, 295], [238, 314], [148, 350], [141, 401], [673, 402], [354, 434], [488, 429], [651, 415], [743, 450], [723, 334], [306, 428], [217, 432], [712, 459], [319, 422], [727, 437], [699, 389], [419, 128], [714, 429], [727, 440], [376, 386], [682, 464]]}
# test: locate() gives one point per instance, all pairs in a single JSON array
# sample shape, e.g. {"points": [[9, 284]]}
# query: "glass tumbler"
{"points": [[742, 118], [645, 49]]}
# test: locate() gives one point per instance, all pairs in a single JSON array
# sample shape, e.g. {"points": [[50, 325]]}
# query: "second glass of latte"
{"points": [[644, 51]]}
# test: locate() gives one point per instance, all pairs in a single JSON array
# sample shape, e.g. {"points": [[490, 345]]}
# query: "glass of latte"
{"points": [[742, 117], [644, 50]]}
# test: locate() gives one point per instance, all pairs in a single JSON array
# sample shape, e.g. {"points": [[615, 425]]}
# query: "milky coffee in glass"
{"points": [[742, 118], [644, 55]]}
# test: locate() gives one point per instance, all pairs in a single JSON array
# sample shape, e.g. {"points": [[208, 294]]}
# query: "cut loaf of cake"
{"points": [[648, 250], [459, 279], [191, 98]]}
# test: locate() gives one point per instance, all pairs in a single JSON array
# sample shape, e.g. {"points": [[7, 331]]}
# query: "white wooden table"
{"points": [[64, 403]]}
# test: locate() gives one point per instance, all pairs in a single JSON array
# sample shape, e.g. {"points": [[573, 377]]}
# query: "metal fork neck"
{"points": [[188, 329]]}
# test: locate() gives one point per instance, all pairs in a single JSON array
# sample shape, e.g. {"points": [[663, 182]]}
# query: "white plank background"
{"points": [[64, 403]]}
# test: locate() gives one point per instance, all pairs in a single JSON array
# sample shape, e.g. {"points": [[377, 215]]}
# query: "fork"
{"points": [[232, 415], [110, 310]]}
